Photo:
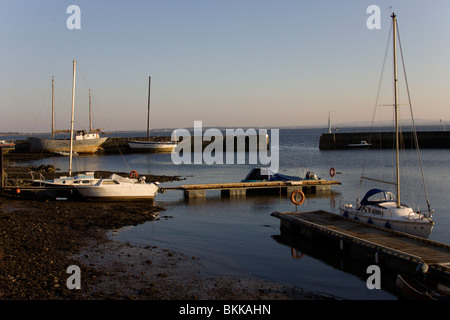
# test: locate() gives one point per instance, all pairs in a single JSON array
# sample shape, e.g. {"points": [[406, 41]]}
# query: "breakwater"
{"points": [[383, 140]]}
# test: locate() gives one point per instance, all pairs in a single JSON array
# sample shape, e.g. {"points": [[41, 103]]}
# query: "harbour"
{"points": [[236, 190], [215, 226]]}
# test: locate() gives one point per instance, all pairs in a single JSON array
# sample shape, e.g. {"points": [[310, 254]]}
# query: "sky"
{"points": [[227, 63]]}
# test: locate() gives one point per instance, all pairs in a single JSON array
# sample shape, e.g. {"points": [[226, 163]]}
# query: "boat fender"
{"points": [[17, 190], [332, 172], [345, 214], [387, 225], [294, 197], [370, 221], [133, 174]]}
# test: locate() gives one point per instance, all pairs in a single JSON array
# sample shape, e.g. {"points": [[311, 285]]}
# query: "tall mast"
{"points": [[148, 115], [71, 119], [397, 156], [90, 112], [53, 107]]}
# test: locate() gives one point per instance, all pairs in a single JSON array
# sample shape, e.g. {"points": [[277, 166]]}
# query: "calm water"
{"points": [[238, 237]]}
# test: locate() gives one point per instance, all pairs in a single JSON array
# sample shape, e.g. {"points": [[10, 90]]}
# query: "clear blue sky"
{"points": [[235, 63]]}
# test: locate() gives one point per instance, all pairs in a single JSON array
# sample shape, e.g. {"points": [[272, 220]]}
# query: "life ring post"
{"points": [[297, 197], [332, 172]]}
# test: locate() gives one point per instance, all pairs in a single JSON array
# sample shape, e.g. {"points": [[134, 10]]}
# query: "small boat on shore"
{"points": [[118, 188]]}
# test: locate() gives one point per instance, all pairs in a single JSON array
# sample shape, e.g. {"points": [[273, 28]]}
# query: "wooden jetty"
{"points": [[397, 251], [241, 188]]}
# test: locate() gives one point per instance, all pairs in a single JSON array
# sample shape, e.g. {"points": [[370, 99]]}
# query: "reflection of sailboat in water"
{"points": [[84, 141], [382, 207], [151, 146]]}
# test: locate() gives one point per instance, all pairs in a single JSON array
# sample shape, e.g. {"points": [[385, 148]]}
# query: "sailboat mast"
{"points": [[71, 118], [90, 112], [397, 155], [53, 107], [148, 112]]}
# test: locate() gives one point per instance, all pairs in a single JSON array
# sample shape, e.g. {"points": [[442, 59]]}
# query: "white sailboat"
{"points": [[381, 207], [118, 188], [114, 188], [147, 145]]}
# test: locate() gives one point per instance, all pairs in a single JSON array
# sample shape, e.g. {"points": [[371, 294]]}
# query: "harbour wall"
{"points": [[384, 140]]}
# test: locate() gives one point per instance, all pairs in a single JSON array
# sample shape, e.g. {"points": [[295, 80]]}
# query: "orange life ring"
{"points": [[133, 174], [294, 197], [332, 172]]}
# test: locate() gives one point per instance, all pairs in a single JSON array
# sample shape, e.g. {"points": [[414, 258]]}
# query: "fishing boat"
{"points": [[382, 207], [85, 142], [118, 188], [147, 145]]}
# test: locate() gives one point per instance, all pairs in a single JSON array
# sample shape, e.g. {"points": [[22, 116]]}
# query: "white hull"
{"points": [[417, 227], [118, 189], [149, 146]]}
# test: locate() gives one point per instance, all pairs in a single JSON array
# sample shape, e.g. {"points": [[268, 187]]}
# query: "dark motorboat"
{"points": [[265, 174]]}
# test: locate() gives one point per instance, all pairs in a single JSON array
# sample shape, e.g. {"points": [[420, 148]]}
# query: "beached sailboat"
{"points": [[115, 187], [382, 207], [85, 142], [147, 145], [118, 188]]}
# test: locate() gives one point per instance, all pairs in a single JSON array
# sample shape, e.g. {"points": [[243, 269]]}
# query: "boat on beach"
{"points": [[381, 207], [115, 187], [118, 188], [147, 145]]}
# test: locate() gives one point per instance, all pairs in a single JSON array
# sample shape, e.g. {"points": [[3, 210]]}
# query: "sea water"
{"points": [[238, 236]]}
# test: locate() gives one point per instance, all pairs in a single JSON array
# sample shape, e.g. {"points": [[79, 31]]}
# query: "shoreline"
{"points": [[41, 239]]}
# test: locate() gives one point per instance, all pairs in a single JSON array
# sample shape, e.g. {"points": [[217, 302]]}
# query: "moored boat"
{"points": [[151, 146], [381, 207]]}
